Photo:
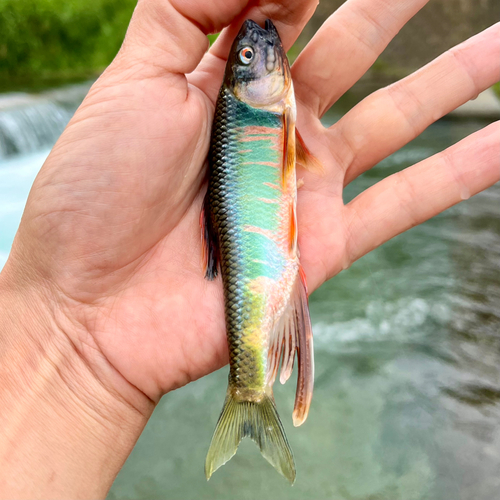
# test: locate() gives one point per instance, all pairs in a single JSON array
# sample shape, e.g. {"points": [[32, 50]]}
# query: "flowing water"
{"points": [[407, 397]]}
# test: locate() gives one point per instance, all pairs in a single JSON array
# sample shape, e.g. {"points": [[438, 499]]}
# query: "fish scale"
{"points": [[221, 208], [228, 178]]}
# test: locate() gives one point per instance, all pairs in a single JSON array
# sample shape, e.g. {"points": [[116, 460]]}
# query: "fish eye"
{"points": [[246, 55]]}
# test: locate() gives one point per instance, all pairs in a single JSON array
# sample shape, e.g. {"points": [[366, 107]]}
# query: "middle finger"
{"points": [[393, 116]]}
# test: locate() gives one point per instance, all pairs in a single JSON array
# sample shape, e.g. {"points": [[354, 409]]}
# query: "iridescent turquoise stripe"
{"points": [[261, 255]]}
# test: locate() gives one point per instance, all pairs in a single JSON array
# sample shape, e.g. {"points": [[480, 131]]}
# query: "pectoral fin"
{"points": [[288, 145], [304, 157]]}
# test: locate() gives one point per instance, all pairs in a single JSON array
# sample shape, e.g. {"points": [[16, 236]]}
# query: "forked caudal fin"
{"points": [[261, 422]]}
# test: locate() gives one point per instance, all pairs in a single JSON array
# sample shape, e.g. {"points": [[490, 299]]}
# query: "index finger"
{"points": [[345, 47]]}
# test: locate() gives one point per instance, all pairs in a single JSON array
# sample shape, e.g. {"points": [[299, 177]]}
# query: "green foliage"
{"points": [[49, 39], [382, 68], [294, 52], [496, 89], [213, 37]]}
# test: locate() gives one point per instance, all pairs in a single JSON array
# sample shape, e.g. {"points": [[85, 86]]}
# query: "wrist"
{"points": [[66, 426]]}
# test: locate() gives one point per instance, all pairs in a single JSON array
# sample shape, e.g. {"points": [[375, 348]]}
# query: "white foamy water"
{"points": [[401, 320], [16, 177], [31, 122], [28, 128], [3, 259]]}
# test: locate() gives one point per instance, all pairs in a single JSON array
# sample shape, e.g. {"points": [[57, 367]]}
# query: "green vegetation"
{"points": [[213, 37], [496, 89], [43, 41], [384, 69]]}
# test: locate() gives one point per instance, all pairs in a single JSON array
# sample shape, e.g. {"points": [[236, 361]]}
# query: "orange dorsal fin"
{"points": [[305, 158]]}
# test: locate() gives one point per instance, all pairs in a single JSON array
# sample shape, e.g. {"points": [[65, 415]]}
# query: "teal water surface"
{"points": [[407, 397]]}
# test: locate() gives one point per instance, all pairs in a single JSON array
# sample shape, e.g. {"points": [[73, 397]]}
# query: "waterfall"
{"points": [[30, 122]]}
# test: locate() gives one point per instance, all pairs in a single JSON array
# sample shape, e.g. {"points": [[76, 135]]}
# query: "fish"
{"points": [[249, 232]]}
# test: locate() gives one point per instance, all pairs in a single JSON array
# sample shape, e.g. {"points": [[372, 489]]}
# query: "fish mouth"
{"points": [[253, 30], [268, 25]]}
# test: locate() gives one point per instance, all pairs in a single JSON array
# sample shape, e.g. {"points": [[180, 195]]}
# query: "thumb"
{"points": [[170, 35]]}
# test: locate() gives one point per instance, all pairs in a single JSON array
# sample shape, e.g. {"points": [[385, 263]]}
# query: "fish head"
{"points": [[257, 71]]}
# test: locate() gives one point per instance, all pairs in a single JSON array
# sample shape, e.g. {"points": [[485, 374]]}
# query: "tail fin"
{"points": [[261, 422]]}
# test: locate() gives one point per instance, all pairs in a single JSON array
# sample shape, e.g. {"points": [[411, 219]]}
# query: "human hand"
{"points": [[111, 225], [109, 245]]}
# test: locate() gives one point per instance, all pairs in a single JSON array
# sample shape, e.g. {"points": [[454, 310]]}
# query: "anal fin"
{"points": [[293, 229], [305, 379], [293, 336]]}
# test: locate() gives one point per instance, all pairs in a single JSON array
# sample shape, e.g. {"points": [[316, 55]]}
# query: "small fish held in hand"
{"points": [[249, 228]]}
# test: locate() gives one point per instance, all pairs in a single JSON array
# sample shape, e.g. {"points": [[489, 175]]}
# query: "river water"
{"points": [[407, 342]]}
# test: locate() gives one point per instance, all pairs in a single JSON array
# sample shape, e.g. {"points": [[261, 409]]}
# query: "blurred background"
{"points": [[407, 401]]}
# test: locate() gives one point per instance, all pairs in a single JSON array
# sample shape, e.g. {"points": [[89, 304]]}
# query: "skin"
{"points": [[103, 303]]}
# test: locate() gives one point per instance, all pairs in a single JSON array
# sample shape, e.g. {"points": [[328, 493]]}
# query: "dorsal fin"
{"points": [[209, 243]]}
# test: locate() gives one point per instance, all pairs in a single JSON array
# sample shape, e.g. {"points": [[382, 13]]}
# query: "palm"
{"points": [[115, 209]]}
